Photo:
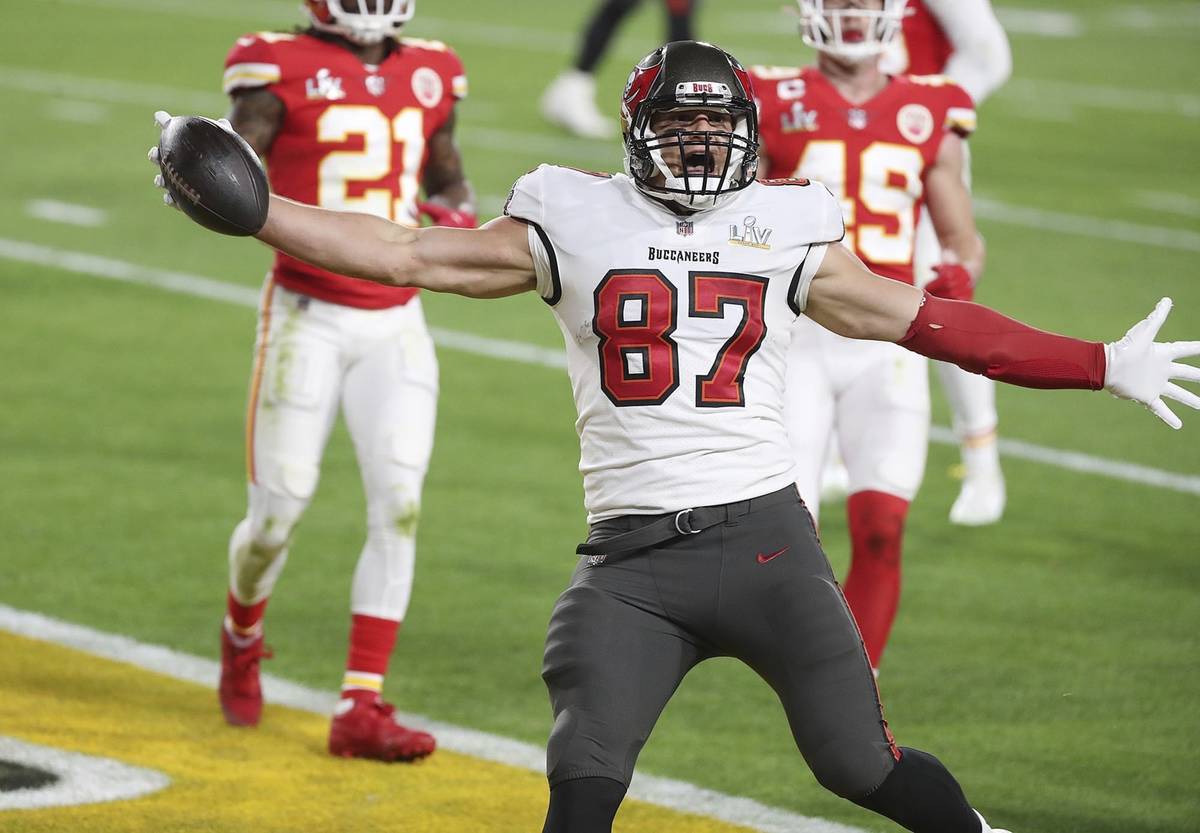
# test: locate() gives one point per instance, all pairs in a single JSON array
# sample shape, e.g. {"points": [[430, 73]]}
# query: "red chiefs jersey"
{"points": [[924, 46], [354, 136], [872, 156]]}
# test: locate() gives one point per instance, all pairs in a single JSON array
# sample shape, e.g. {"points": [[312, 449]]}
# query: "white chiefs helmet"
{"points": [[852, 29], [361, 21]]}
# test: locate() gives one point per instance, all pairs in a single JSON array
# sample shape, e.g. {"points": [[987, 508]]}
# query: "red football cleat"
{"points": [[365, 728], [240, 691]]}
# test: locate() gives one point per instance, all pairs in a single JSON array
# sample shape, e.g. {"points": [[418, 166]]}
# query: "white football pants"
{"points": [[872, 397], [380, 366]]}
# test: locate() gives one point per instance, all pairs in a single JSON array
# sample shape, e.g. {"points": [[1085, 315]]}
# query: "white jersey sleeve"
{"points": [[830, 229], [527, 204], [982, 60]]}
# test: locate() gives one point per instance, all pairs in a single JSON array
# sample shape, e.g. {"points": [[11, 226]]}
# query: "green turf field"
{"points": [[1051, 661]]}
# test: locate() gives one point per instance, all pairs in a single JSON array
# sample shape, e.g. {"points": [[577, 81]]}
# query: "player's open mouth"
{"points": [[700, 162]]}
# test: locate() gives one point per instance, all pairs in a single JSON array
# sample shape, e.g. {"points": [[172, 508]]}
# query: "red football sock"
{"points": [[371, 643], [872, 587], [244, 619]]}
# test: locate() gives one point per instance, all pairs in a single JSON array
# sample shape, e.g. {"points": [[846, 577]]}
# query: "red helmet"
{"points": [[361, 21], [686, 75]]}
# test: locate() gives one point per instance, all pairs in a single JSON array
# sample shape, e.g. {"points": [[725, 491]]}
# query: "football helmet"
{"points": [[841, 31], [361, 21], [687, 75]]}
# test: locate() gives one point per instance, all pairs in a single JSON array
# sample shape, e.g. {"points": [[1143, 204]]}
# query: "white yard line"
{"points": [[1168, 202], [1125, 99], [1095, 227], [80, 112], [665, 792], [112, 269], [1040, 23], [69, 213]]}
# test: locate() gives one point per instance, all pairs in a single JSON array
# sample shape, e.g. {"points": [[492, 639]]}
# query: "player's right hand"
{"points": [[953, 282], [161, 118], [1141, 369]]}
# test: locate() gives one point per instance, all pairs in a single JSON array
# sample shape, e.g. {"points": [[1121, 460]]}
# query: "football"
{"points": [[213, 175]]}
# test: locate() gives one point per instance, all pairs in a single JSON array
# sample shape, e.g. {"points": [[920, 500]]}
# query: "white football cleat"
{"points": [[982, 496], [980, 500], [570, 102], [984, 826]]}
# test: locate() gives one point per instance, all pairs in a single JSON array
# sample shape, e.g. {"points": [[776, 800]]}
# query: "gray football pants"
{"points": [[757, 587]]}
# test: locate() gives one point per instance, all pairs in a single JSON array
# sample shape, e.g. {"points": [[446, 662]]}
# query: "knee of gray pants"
{"points": [[852, 768]]}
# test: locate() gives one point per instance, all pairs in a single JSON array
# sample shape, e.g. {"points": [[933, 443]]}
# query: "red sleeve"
{"points": [[251, 62], [455, 75], [960, 110], [982, 340]]}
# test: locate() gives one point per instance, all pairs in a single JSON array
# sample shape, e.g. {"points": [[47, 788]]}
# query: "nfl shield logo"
{"points": [[683, 228]]}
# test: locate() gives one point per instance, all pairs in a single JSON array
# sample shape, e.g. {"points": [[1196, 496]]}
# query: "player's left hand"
{"points": [[1141, 369], [444, 215], [953, 282], [161, 118]]}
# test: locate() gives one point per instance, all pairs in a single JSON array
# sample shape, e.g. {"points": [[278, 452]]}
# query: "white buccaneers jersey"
{"points": [[676, 330]]}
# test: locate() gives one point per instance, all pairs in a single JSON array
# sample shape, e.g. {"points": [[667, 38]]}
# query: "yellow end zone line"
{"points": [[232, 779]]}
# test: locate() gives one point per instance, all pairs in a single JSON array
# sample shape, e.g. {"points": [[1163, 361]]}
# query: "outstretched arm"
{"points": [[848, 299], [488, 262]]}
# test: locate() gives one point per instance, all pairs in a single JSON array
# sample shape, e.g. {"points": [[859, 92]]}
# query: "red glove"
{"points": [[953, 282], [441, 215]]}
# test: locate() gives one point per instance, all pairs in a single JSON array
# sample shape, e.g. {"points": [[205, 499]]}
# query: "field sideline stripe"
{"points": [[119, 270], [665, 792]]}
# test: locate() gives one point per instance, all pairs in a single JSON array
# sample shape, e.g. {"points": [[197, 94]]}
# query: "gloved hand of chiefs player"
{"points": [[953, 282], [444, 215], [1141, 369], [161, 117]]}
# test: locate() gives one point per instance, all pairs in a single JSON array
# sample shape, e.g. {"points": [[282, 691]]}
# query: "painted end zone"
{"points": [[274, 778]]}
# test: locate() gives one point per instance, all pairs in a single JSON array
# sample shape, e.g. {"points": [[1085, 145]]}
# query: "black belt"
{"points": [[684, 522]]}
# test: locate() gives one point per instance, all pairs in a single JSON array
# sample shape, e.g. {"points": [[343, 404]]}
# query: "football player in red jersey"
{"points": [[886, 146], [349, 116], [963, 40]]}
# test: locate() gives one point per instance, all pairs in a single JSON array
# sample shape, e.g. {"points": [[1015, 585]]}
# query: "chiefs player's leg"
{"points": [[390, 400], [679, 19], [292, 406], [972, 401], [787, 619], [808, 399], [613, 658], [883, 428]]}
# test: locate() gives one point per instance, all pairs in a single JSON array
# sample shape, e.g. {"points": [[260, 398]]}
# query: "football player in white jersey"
{"points": [[675, 285]]}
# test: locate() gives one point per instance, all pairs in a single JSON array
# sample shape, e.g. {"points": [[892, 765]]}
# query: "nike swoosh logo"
{"points": [[763, 559]]}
